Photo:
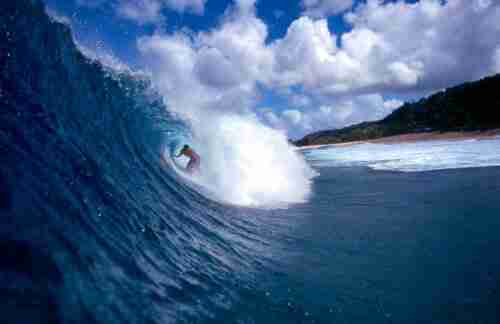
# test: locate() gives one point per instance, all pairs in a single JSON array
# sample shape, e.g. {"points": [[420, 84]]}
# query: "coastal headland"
{"points": [[470, 110]]}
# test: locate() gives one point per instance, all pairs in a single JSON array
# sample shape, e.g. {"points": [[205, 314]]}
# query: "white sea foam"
{"points": [[411, 157], [243, 162], [246, 163]]}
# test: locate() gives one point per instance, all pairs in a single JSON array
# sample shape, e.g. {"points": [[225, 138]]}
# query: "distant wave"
{"points": [[412, 157]]}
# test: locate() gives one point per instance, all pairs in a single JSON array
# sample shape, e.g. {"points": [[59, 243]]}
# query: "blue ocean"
{"points": [[99, 224]]}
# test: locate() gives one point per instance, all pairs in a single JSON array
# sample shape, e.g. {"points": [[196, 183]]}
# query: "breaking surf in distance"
{"points": [[411, 156]]}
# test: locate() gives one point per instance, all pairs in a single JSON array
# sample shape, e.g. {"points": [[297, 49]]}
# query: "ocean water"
{"points": [[96, 229], [411, 157]]}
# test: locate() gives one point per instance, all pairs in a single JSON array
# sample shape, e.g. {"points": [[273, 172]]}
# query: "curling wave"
{"points": [[96, 229]]}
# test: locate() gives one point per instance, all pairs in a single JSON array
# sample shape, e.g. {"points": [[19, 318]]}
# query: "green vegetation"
{"points": [[468, 107]]}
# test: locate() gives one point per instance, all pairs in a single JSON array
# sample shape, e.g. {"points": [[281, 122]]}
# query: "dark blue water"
{"points": [[94, 229]]}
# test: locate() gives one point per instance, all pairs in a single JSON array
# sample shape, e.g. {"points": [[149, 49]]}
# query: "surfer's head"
{"points": [[185, 148]]}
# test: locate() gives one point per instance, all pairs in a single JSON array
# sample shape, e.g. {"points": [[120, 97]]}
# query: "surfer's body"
{"points": [[194, 159]]}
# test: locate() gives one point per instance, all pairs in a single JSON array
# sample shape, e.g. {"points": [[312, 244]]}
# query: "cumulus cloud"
{"points": [[218, 69], [211, 80], [145, 12], [337, 114], [496, 64], [392, 49], [429, 44], [271, 118], [141, 11], [294, 117], [325, 8]]}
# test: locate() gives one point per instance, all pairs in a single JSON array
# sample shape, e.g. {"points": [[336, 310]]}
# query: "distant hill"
{"points": [[467, 107]]}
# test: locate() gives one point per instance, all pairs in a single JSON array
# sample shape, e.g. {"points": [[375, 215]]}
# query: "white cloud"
{"points": [[392, 104], [292, 116], [218, 69], [210, 79], [141, 11], [149, 11], [482, 4], [213, 78], [245, 7], [195, 6], [496, 64], [306, 55], [401, 73], [299, 100], [324, 8], [393, 48], [338, 114], [429, 44], [272, 119]]}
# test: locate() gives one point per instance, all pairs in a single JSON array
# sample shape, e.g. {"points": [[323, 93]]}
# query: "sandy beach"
{"points": [[417, 137]]}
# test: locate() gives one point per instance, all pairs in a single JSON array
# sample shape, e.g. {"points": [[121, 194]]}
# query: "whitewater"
{"points": [[411, 157], [95, 228]]}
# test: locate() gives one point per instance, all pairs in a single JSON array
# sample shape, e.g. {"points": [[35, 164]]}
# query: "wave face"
{"points": [[94, 228], [412, 157]]}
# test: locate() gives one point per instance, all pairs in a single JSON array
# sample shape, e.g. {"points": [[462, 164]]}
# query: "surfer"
{"points": [[194, 159]]}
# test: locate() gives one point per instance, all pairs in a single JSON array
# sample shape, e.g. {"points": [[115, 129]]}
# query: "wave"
{"points": [[412, 157], [98, 229]]}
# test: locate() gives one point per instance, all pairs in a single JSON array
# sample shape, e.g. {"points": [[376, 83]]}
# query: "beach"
{"points": [[417, 137]]}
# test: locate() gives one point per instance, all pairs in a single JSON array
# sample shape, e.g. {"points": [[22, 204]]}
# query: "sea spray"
{"points": [[243, 162], [247, 163], [114, 235]]}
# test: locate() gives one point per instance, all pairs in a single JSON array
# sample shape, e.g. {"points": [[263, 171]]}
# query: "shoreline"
{"points": [[417, 137]]}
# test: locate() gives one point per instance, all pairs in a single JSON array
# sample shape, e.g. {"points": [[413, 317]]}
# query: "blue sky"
{"points": [[94, 21], [299, 66]]}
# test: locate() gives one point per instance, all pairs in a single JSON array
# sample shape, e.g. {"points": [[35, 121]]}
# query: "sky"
{"points": [[298, 66]]}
